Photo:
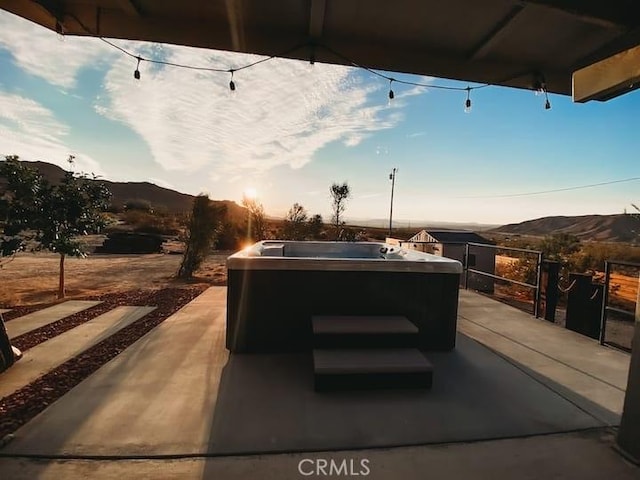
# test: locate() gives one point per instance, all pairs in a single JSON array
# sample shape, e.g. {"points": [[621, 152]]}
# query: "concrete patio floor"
{"points": [[175, 393]]}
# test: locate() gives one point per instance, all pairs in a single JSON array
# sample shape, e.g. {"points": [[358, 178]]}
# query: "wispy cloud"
{"points": [[31, 131], [416, 134], [282, 113], [44, 53]]}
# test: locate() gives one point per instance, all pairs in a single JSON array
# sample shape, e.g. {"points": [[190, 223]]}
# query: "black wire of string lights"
{"points": [[539, 83]]}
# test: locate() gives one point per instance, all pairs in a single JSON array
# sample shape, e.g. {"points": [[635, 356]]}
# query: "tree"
{"points": [[203, 226], [68, 210], [559, 245], [228, 236], [19, 202], [54, 215], [295, 223], [314, 227], [339, 196], [256, 219]]}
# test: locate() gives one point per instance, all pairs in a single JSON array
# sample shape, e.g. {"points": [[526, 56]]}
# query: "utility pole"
{"points": [[392, 177]]}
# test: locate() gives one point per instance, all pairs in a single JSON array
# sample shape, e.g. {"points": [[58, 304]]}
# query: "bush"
{"points": [[138, 204], [202, 230], [521, 270], [144, 222]]}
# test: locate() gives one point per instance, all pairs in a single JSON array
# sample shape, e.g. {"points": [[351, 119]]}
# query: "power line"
{"points": [[542, 192]]}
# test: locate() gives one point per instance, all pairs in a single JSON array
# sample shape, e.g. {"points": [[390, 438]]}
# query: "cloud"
{"points": [[281, 113], [31, 131], [44, 53], [416, 134]]}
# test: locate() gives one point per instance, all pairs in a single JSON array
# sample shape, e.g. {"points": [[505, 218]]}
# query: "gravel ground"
{"points": [[21, 406]]}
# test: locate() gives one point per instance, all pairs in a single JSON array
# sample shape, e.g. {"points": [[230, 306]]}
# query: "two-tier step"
{"points": [[368, 352]]}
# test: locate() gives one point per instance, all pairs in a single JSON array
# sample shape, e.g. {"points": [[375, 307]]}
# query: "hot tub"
{"points": [[275, 287]]}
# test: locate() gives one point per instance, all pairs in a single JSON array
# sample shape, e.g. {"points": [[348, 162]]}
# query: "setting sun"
{"points": [[250, 193]]}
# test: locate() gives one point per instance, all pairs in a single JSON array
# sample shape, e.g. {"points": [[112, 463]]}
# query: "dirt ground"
{"points": [[33, 278]]}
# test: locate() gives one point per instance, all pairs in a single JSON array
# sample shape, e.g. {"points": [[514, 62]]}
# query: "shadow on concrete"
{"points": [[266, 403]]}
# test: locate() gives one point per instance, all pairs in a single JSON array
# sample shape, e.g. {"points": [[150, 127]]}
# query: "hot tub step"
{"points": [[363, 332], [371, 369]]}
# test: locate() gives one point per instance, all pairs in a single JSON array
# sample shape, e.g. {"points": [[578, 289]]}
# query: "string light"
{"points": [[540, 88], [312, 54], [136, 74], [467, 103], [547, 103], [232, 85], [539, 82]]}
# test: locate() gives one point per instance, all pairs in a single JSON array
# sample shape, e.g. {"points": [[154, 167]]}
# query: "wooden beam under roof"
{"points": [[497, 33]]}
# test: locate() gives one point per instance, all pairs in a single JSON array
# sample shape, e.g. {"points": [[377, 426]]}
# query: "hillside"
{"points": [[606, 228], [158, 197]]}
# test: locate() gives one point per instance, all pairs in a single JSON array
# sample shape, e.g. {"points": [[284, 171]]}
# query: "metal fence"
{"points": [[470, 247], [535, 287], [607, 308]]}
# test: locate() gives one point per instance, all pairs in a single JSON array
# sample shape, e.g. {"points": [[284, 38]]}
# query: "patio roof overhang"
{"points": [[503, 42]]}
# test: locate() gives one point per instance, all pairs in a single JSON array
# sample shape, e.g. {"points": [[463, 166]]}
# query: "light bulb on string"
{"points": [[391, 94], [310, 65], [467, 103], [232, 85], [547, 103], [136, 73], [539, 84]]}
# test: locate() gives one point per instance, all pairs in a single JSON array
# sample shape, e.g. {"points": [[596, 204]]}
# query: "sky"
{"points": [[291, 129]]}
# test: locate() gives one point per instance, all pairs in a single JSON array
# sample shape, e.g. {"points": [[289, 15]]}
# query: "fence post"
{"points": [[605, 301], [536, 305], [629, 433], [582, 314], [466, 266], [549, 286]]}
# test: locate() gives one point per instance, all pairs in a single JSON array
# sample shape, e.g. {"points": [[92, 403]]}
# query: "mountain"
{"points": [[158, 197], [607, 228]]}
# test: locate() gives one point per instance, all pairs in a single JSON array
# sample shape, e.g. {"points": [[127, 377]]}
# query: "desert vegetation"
{"points": [[50, 216], [574, 256]]}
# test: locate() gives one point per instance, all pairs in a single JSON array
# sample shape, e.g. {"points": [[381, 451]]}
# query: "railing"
{"points": [[606, 308], [535, 287], [467, 269]]}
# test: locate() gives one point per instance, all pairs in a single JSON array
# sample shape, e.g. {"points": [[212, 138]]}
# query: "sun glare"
{"points": [[250, 193]]}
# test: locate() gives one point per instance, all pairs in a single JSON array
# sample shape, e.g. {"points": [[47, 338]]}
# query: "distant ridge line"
{"points": [[608, 228]]}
